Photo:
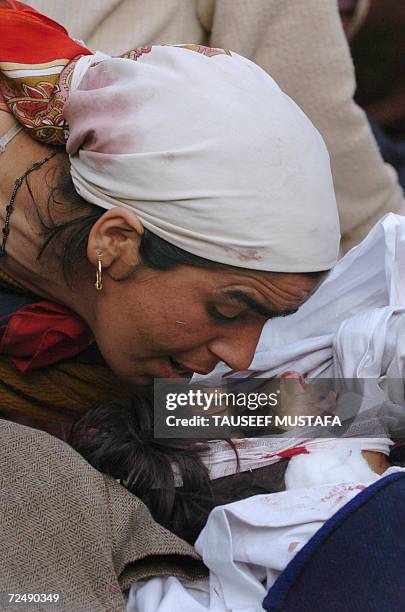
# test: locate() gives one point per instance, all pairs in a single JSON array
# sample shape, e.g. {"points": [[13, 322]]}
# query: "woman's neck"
{"points": [[43, 276]]}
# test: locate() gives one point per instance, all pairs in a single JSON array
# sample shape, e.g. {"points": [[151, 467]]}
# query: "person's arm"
{"points": [[303, 46]]}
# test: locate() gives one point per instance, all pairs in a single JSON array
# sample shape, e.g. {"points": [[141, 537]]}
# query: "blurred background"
{"points": [[376, 33]]}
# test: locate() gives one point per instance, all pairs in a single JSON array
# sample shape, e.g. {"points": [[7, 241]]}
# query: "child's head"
{"points": [[117, 439]]}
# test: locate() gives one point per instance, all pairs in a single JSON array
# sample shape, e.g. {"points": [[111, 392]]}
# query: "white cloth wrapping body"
{"points": [[353, 327], [246, 545], [370, 277]]}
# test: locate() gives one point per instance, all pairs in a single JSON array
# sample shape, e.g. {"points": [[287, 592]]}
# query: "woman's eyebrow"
{"points": [[247, 300]]}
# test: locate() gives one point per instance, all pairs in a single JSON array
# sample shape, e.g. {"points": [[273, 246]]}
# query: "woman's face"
{"points": [[173, 323]]}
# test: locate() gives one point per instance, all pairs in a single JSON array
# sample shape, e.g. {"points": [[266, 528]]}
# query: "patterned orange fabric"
{"points": [[37, 58]]}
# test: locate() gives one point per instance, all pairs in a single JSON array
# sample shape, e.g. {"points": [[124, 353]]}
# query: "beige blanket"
{"points": [[65, 528]]}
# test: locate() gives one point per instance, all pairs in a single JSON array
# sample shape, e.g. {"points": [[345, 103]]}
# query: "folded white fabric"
{"points": [[255, 453]]}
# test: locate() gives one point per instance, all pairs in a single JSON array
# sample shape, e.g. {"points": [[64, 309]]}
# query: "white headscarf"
{"points": [[208, 152]]}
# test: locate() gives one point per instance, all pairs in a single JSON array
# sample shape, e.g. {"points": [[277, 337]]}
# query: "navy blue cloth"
{"points": [[392, 152], [355, 562], [11, 300]]}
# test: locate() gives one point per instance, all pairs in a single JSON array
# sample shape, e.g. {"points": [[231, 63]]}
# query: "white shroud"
{"points": [[353, 327]]}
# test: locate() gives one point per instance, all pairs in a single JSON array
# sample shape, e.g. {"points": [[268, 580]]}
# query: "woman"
{"points": [[220, 213], [219, 199]]}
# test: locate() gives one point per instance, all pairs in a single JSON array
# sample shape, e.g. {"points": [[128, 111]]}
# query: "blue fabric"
{"points": [[392, 152], [355, 562]]}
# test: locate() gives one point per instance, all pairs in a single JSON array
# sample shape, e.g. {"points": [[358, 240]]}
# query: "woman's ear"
{"points": [[116, 237]]}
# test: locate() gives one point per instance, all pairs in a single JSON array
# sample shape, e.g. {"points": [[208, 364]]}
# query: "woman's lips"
{"points": [[189, 368], [173, 369]]}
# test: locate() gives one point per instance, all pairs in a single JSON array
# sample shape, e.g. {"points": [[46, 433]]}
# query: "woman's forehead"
{"points": [[266, 293], [288, 281]]}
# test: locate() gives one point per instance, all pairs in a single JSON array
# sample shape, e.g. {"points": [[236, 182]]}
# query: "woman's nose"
{"points": [[237, 347]]}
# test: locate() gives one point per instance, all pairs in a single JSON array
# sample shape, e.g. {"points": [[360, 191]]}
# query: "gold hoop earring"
{"points": [[99, 273]]}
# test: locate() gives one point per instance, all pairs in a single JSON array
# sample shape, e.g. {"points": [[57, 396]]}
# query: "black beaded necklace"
{"points": [[10, 205]]}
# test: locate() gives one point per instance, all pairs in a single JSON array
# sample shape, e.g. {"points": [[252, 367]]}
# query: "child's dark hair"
{"points": [[117, 439]]}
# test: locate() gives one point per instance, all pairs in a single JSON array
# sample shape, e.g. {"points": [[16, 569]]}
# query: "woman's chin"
{"points": [[133, 377]]}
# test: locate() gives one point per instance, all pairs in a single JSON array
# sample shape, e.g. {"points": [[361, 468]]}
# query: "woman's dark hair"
{"points": [[70, 237], [117, 438]]}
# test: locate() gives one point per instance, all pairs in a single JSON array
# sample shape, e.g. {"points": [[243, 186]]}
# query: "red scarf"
{"points": [[42, 334]]}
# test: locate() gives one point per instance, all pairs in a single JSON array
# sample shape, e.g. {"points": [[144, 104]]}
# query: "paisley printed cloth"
{"points": [[35, 77]]}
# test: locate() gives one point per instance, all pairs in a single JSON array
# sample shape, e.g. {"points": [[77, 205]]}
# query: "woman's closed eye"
{"points": [[225, 315]]}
